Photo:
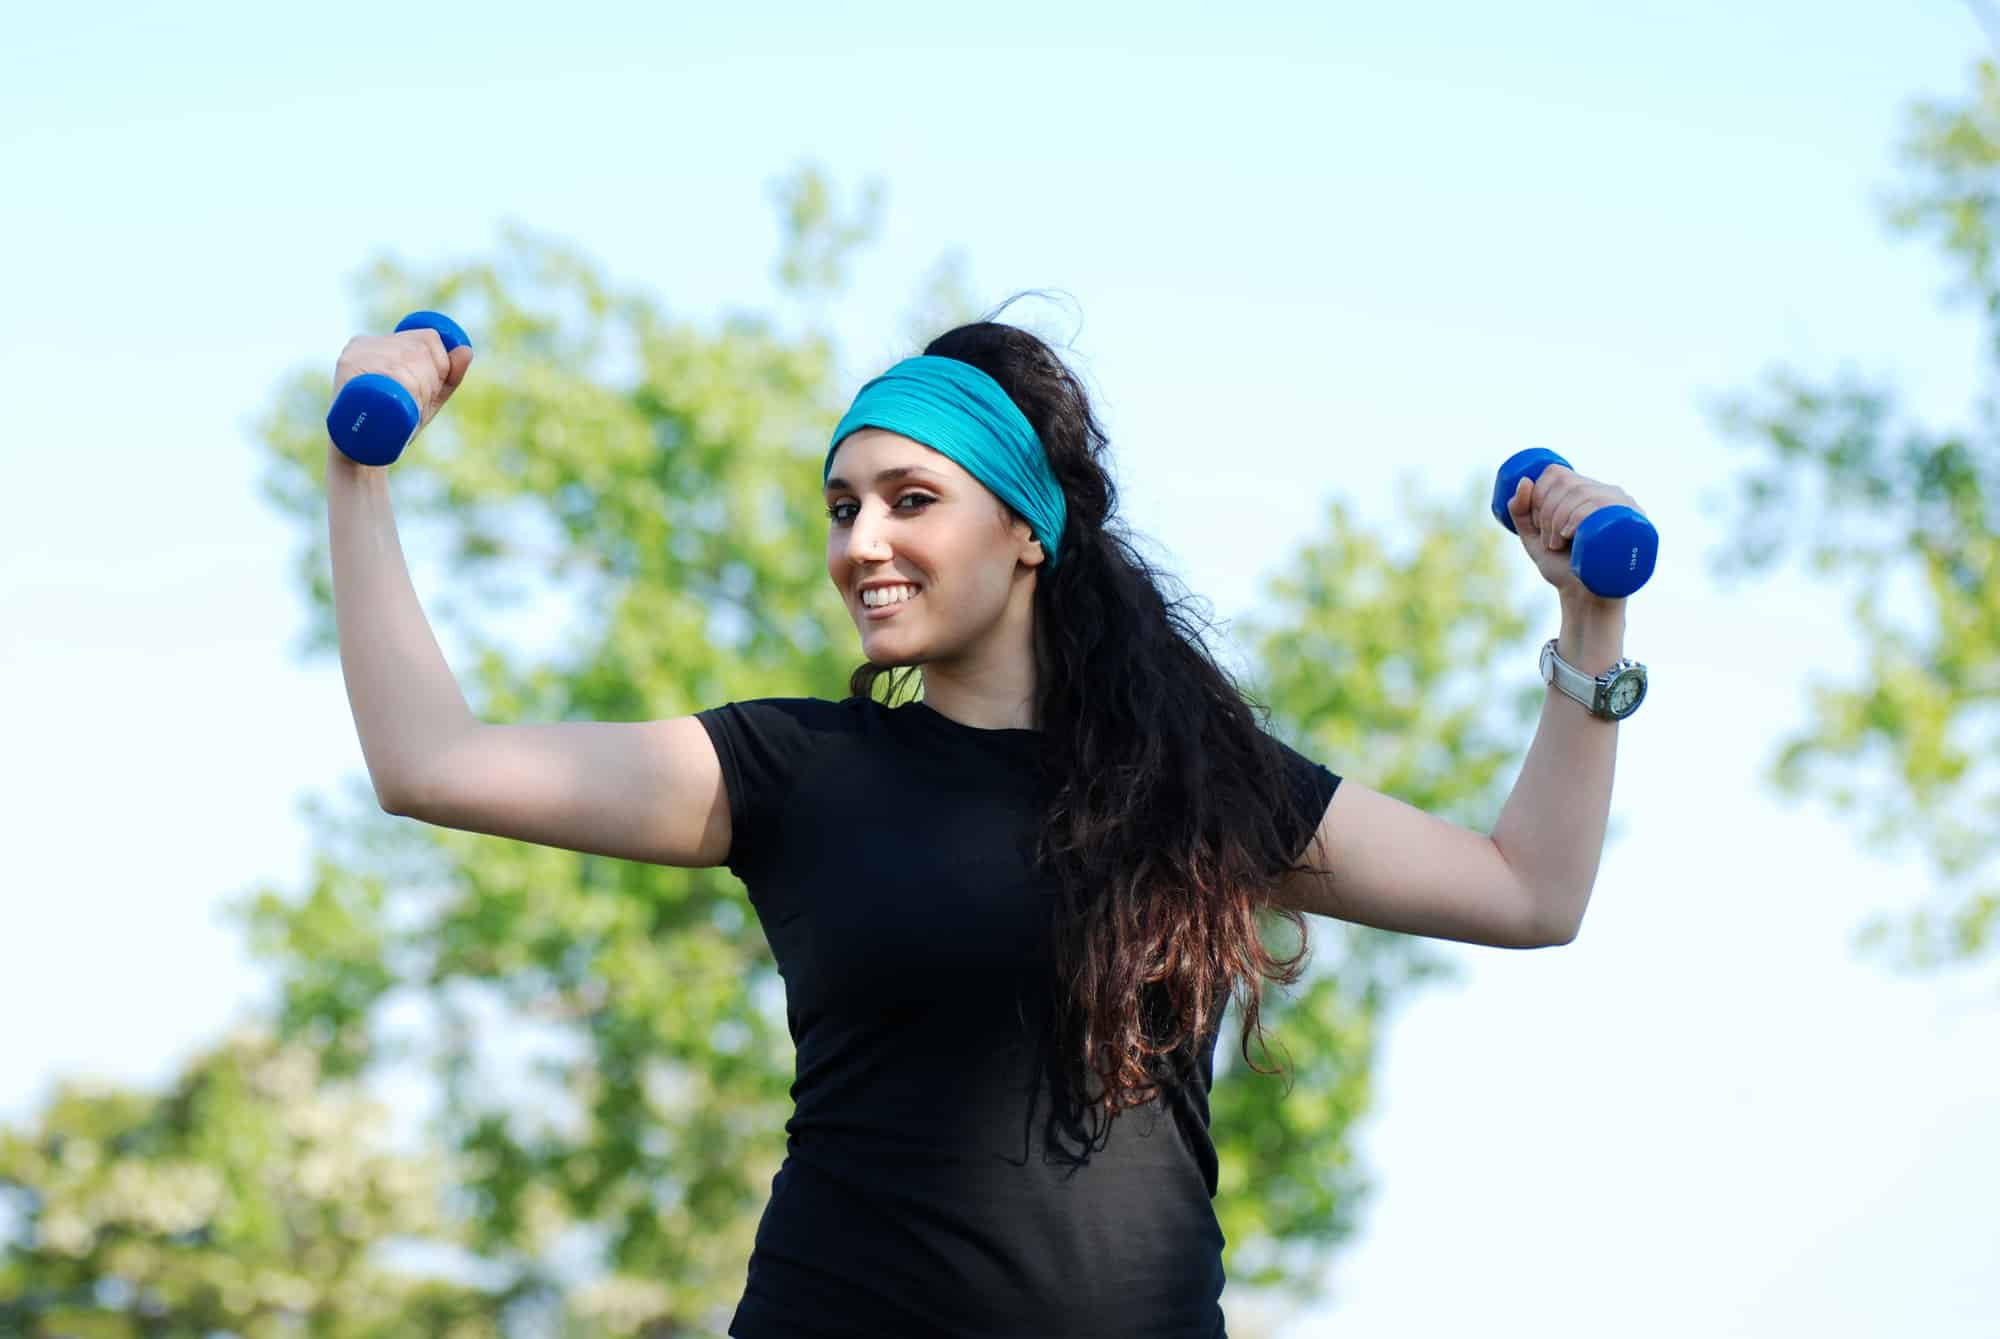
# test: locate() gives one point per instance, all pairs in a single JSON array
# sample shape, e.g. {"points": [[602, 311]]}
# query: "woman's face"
{"points": [[905, 514]]}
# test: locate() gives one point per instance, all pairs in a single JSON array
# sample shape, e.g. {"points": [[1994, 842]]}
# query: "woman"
{"points": [[1010, 913]]}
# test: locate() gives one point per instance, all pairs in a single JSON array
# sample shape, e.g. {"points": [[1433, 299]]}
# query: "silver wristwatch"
{"points": [[1612, 695]]}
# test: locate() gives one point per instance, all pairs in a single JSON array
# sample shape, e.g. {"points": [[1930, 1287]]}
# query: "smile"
{"points": [[889, 609]]}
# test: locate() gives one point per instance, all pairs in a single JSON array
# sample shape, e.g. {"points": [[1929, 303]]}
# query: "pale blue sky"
{"points": [[1314, 249]]}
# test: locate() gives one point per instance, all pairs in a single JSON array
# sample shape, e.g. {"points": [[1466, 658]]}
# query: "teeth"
{"points": [[878, 596]]}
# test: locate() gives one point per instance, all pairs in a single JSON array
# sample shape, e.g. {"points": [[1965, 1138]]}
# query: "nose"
{"points": [[867, 542]]}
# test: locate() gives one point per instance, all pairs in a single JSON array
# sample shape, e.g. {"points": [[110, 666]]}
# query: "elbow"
{"points": [[1546, 925], [1554, 919], [1558, 935], [1544, 921], [393, 801]]}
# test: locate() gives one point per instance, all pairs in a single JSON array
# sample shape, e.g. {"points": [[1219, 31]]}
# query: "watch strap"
{"points": [[1593, 692], [1571, 680]]}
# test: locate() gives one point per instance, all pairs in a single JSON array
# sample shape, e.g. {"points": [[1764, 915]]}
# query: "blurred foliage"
{"points": [[1379, 659], [606, 1040], [252, 1199], [1909, 514]]}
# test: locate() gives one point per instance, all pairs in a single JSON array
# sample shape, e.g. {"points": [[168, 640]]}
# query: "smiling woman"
{"points": [[1009, 915], [1088, 818]]}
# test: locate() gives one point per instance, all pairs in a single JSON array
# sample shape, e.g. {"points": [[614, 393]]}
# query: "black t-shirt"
{"points": [[888, 853]]}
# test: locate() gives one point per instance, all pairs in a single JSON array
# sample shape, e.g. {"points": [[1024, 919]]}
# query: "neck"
{"points": [[992, 683], [983, 701], [993, 687]]}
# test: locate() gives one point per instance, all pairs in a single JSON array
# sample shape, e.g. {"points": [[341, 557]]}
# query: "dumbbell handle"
{"points": [[1612, 550], [373, 417]]}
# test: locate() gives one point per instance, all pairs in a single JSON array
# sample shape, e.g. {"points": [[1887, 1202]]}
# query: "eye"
{"points": [[839, 516]]}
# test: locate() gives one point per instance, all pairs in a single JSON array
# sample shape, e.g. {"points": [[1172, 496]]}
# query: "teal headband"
{"points": [[960, 412]]}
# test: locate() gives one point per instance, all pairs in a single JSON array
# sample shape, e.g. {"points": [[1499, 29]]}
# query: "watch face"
{"points": [[1626, 690]]}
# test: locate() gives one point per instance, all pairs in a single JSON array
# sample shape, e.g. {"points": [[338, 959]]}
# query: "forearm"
{"points": [[1551, 829], [405, 701]]}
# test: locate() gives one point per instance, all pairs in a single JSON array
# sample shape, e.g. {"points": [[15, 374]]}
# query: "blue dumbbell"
{"points": [[1613, 549], [373, 417]]}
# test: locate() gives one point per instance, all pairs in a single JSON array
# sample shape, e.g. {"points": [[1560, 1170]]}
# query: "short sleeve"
{"points": [[1312, 786], [763, 745]]}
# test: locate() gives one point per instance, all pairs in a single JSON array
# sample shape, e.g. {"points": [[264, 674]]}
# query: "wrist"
{"points": [[1582, 604], [1592, 637], [339, 461]]}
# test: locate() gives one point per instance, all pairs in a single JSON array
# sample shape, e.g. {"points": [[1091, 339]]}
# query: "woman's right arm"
{"points": [[645, 790]]}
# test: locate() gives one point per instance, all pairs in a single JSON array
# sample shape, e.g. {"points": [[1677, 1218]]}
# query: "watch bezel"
{"points": [[1624, 669]]}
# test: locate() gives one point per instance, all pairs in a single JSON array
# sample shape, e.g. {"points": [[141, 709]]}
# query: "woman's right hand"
{"points": [[414, 359]]}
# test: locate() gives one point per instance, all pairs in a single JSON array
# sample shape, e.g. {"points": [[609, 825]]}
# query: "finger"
{"points": [[1549, 491], [433, 344], [451, 383], [1520, 510], [1555, 498], [1545, 497], [424, 379], [1572, 516], [1551, 522]]}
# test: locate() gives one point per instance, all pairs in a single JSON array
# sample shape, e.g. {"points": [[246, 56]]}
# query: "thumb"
{"points": [[1522, 504], [461, 363]]}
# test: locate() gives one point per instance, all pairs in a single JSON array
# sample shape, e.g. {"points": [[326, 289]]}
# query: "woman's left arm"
{"points": [[1551, 829], [1377, 861]]}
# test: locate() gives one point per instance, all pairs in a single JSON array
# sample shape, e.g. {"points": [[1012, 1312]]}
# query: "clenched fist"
{"points": [[415, 359], [1546, 512]]}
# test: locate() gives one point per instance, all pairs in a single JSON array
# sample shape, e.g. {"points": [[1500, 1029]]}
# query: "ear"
{"points": [[1032, 553]]}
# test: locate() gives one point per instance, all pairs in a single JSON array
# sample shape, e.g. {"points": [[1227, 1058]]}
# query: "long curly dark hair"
{"points": [[1169, 808]]}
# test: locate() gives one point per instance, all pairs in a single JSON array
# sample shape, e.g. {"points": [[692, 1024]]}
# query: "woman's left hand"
{"points": [[1546, 511]]}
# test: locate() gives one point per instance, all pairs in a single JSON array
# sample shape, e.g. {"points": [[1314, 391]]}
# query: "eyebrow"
{"points": [[881, 477]]}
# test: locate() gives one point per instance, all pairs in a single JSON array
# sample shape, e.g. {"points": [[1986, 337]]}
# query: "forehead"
{"points": [[866, 452]]}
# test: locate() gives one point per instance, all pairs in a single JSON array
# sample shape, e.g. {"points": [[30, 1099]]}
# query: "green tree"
{"points": [[606, 1039], [1907, 516], [1376, 657], [254, 1199]]}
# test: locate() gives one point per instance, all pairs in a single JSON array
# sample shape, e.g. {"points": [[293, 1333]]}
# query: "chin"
{"points": [[891, 660], [880, 650]]}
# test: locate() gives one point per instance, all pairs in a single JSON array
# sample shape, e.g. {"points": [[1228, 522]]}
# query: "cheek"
{"points": [[983, 589]]}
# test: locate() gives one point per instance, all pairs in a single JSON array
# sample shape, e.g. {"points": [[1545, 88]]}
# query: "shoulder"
{"points": [[811, 713], [784, 728], [1308, 779], [767, 748]]}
